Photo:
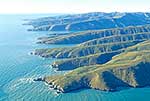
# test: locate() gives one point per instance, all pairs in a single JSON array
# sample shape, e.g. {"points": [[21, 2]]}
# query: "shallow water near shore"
{"points": [[18, 68]]}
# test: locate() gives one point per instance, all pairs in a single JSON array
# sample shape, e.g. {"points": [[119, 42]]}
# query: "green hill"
{"points": [[128, 69]]}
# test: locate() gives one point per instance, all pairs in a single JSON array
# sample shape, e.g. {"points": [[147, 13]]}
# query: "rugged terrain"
{"points": [[111, 50], [128, 69]]}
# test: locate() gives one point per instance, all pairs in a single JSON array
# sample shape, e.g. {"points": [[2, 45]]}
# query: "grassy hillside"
{"points": [[128, 69]]}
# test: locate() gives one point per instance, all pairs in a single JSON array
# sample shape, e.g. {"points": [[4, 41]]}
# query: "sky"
{"points": [[72, 6]]}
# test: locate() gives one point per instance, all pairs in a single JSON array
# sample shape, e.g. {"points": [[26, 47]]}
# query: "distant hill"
{"points": [[89, 21]]}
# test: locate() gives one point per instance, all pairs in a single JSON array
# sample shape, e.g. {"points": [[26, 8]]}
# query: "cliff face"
{"points": [[89, 21], [130, 33], [78, 51], [73, 63], [118, 38], [128, 69], [90, 52]]}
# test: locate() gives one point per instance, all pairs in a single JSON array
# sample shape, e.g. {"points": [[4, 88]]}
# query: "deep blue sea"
{"points": [[18, 68]]}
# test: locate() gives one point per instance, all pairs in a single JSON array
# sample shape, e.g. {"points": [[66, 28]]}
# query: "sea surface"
{"points": [[18, 68]]}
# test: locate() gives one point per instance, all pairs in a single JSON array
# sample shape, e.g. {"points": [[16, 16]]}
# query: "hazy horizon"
{"points": [[69, 6]]}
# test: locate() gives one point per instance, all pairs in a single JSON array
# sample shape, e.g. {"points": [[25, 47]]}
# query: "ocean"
{"points": [[18, 68]]}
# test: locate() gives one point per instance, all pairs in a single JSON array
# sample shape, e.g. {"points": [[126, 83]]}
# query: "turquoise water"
{"points": [[18, 68]]}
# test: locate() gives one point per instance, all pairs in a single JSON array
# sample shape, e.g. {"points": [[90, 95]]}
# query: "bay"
{"points": [[18, 68]]}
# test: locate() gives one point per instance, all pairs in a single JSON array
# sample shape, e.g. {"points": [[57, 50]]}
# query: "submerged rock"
{"points": [[39, 79]]}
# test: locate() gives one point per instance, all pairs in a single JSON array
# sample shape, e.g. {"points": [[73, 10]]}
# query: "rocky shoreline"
{"points": [[50, 84]]}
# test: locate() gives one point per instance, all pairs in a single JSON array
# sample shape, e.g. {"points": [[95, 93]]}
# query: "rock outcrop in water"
{"points": [[89, 21]]}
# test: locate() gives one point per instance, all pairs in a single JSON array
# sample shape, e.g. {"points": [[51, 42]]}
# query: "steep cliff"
{"points": [[132, 32], [78, 51]]}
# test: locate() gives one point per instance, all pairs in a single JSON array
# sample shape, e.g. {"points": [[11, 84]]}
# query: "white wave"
{"points": [[26, 80]]}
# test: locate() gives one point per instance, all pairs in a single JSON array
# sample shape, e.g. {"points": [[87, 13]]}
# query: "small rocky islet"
{"points": [[111, 51]]}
